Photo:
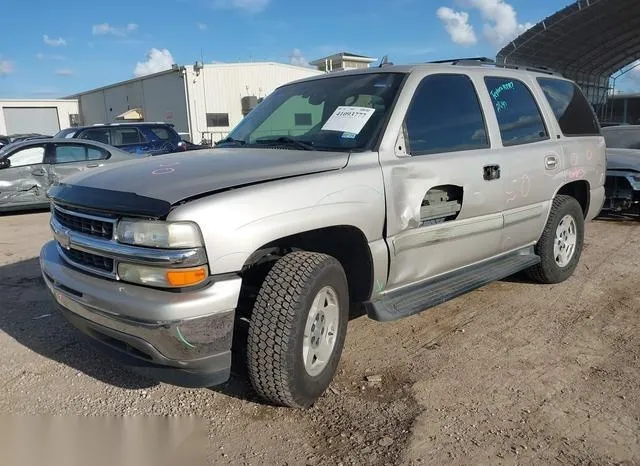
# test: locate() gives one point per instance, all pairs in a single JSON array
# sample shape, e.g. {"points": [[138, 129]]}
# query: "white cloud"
{"points": [[456, 23], [157, 60], [298, 59], [106, 28], [53, 42], [500, 22], [502, 26], [6, 67], [253, 6], [64, 72], [201, 26]]}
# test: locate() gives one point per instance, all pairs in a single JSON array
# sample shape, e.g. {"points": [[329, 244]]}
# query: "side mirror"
{"points": [[5, 163]]}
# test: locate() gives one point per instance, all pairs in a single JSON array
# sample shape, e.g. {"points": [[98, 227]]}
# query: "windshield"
{"points": [[621, 138], [341, 113]]}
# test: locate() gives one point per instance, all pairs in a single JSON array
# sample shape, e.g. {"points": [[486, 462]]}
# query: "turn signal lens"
{"points": [[161, 277], [186, 277]]}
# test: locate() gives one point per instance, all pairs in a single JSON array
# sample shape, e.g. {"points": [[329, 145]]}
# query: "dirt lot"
{"points": [[511, 373]]}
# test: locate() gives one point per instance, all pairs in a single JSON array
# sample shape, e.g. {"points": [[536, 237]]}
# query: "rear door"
{"points": [[443, 187], [25, 182], [531, 157], [65, 159]]}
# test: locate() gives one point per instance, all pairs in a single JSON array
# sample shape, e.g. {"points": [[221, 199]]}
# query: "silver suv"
{"points": [[393, 189]]}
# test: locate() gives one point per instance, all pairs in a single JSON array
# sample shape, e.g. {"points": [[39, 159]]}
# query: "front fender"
{"points": [[236, 223]]}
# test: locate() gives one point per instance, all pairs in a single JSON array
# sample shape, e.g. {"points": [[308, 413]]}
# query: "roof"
{"points": [[591, 37], [428, 67]]}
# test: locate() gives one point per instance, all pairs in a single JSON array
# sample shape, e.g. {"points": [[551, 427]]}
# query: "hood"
{"points": [[149, 186], [623, 159]]}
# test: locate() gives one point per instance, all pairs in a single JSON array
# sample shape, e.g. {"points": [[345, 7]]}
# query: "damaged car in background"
{"points": [[28, 168], [622, 185]]}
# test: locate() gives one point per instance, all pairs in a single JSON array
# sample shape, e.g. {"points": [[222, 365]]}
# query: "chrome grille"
{"points": [[90, 260], [84, 223]]}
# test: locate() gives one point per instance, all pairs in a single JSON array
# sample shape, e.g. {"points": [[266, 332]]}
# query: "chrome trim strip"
{"points": [[124, 253]]}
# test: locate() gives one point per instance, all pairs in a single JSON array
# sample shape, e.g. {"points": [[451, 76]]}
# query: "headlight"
{"points": [[636, 178], [158, 234], [161, 277]]}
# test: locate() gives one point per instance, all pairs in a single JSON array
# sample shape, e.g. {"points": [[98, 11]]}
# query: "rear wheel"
{"points": [[297, 330], [560, 245]]}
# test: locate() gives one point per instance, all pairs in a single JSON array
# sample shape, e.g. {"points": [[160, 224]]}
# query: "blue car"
{"points": [[143, 138]]}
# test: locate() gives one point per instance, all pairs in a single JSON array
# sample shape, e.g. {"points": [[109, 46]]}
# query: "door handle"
{"points": [[491, 172], [550, 162], [92, 165]]}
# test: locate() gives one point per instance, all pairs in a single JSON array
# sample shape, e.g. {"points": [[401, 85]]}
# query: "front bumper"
{"points": [[182, 338]]}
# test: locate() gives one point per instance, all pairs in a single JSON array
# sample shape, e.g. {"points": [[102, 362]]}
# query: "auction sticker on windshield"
{"points": [[348, 119]]}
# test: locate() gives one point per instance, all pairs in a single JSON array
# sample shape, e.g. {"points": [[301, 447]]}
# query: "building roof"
{"points": [[344, 55], [588, 37], [179, 68]]}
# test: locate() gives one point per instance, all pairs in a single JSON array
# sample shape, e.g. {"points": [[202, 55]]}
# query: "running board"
{"points": [[414, 299]]}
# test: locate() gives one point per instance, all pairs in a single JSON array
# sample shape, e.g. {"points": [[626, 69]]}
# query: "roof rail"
{"points": [[480, 61], [466, 61]]}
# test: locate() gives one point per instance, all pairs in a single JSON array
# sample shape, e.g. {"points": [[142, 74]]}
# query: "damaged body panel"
{"points": [[622, 185]]}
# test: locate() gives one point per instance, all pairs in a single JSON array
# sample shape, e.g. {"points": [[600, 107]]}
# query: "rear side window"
{"points": [[445, 115], [124, 136], [161, 133], [518, 114], [571, 108], [64, 153], [100, 135]]}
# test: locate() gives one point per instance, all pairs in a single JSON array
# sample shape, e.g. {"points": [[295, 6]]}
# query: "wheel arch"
{"points": [[347, 243], [580, 190]]}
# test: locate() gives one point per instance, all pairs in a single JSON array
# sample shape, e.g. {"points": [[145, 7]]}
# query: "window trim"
{"points": [[575, 86], [535, 101], [404, 128]]}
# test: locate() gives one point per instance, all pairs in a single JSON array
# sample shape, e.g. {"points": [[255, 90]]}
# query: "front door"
{"points": [[443, 185], [25, 181]]}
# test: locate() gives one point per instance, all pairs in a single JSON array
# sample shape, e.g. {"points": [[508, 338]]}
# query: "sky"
{"points": [[51, 49]]}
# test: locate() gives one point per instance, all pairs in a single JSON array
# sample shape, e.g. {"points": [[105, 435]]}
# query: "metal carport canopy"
{"points": [[589, 37]]}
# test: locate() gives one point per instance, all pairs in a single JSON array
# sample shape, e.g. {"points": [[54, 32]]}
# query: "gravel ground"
{"points": [[511, 373]]}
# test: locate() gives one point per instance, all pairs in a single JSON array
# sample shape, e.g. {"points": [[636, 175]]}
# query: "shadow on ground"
{"points": [[28, 315]]}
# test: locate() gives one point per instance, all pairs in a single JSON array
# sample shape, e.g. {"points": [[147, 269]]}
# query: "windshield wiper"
{"points": [[305, 145], [230, 140]]}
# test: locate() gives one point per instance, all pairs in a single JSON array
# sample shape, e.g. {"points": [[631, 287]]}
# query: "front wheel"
{"points": [[297, 330], [560, 245]]}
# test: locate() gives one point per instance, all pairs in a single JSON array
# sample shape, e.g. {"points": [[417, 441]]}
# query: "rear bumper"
{"points": [[179, 338]]}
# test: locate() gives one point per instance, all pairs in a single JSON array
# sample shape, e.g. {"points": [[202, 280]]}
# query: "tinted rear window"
{"points": [[572, 110]]}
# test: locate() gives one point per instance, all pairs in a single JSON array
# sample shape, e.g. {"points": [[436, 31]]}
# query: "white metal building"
{"points": [[20, 116], [202, 101]]}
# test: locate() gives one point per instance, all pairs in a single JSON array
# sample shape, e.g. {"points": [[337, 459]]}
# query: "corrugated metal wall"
{"points": [[219, 88]]}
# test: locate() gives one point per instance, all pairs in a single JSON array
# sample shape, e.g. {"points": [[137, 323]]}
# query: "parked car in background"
{"points": [[28, 168], [622, 185], [140, 138]]}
